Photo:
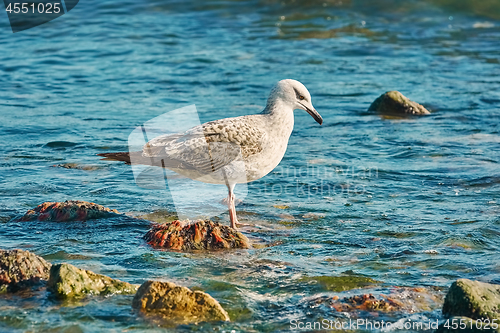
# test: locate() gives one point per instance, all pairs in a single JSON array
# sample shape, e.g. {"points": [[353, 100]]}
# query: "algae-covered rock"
{"points": [[340, 283], [177, 304], [68, 211], [69, 281], [160, 216], [389, 299], [395, 103], [473, 299], [21, 269], [366, 302], [200, 235], [405, 299]]}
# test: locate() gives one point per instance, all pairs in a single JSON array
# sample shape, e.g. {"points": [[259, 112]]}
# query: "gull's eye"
{"points": [[301, 97]]}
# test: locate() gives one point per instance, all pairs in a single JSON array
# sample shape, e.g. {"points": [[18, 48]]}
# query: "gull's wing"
{"points": [[208, 147]]}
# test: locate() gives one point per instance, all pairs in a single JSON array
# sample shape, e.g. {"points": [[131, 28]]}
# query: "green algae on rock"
{"points": [[177, 304], [21, 269], [73, 210], [199, 235], [396, 104], [69, 281], [160, 216], [473, 299], [340, 283]]}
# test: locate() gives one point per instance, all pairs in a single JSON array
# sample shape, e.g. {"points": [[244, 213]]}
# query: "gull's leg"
{"points": [[232, 208]]}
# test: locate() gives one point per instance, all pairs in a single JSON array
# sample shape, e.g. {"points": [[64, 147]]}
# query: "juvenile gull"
{"points": [[230, 150]]}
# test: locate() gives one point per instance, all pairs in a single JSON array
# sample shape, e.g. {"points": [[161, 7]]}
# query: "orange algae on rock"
{"points": [[73, 210], [198, 235]]}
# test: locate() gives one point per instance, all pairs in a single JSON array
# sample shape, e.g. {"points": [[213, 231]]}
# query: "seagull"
{"points": [[230, 151]]}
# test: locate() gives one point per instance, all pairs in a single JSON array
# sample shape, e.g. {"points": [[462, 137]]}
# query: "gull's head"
{"points": [[295, 95]]}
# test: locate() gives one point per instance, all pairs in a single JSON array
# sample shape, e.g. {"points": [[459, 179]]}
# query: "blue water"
{"points": [[408, 202]]}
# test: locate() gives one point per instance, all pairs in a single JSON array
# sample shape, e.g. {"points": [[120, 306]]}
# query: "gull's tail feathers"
{"points": [[124, 156], [135, 157]]}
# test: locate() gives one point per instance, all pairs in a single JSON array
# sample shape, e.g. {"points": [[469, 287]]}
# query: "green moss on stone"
{"points": [[473, 299], [69, 281], [395, 103], [341, 283]]}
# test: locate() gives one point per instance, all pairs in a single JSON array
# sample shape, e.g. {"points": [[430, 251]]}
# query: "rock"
{"points": [[177, 304], [389, 299], [69, 281], [21, 269], [366, 302], [340, 283], [394, 103], [402, 299], [77, 166], [200, 235], [68, 211], [473, 299], [160, 216], [350, 29]]}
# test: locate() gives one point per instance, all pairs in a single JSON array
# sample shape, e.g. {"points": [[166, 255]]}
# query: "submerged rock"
{"points": [[473, 299], [200, 235], [77, 166], [388, 300], [21, 269], [395, 103], [350, 29], [160, 216], [407, 299], [340, 283], [177, 304], [366, 302], [73, 210], [69, 281]]}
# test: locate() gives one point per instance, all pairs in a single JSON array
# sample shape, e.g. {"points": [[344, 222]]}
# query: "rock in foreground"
{"points": [[473, 299], [177, 304], [68, 211], [395, 103], [69, 281], [21, 269], [200, 235]]}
